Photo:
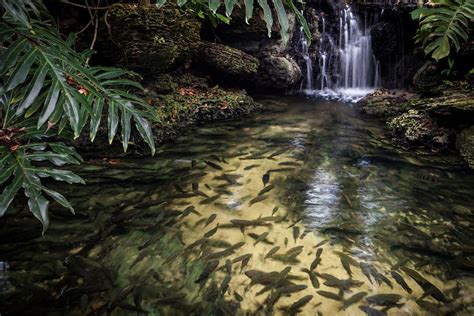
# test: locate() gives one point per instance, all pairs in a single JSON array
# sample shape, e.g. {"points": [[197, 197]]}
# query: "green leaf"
{"points": [[267, 15], [50, 104], [9, 193], [58, 197], [37, 204], [112, 122], [214, 5], [301, 20], [22, 70], [60, 175], [126, 127], [282, 19], [145, 131], [34, 89], [182, 2], [442, 50], [11, 55], [229, 6], [96, 117]]}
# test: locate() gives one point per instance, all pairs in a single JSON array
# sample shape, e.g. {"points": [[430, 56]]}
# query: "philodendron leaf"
{"points": [[9, 193], [282, 19], [267, 15], [248, 10], [58, 197], [160, 3], [37, 204], [214, 5]]}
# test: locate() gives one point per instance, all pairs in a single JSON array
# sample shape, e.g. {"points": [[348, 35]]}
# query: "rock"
{"points": [[465, 145], [279, 72], [385, 103], [428, 79], [147, 39], [231, 63], [416, 128]]}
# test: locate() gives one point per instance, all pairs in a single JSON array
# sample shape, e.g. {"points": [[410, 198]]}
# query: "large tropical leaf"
{"points": [[444, 26]]}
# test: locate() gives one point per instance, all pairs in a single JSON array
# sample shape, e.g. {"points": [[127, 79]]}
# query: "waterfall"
{"points": [[347, 70], [307, 60]]}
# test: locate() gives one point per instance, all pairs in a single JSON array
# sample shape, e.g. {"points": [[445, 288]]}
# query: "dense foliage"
{"points": [[444, 26], [47, 90], [49, 93]]}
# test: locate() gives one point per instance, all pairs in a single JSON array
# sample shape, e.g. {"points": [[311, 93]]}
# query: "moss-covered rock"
{"points": [[465, 145], [415, 128], [228, 62], [428, 78], [279, 72], [147, 39]]}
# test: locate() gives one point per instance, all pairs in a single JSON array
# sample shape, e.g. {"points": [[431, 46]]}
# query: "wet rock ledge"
{"points": [[437, 117]]}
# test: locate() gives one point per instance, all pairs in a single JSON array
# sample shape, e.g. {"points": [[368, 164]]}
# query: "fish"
{"points": [[251, 166], [385, 280], [228, 266], [196, 243], [140, 257], [215, 157], [366, 271], [272, 251], [270, 218], [321, 243], [292, 289], [352, 300], [296, 306], [342, 284], [219, 254], [193, 164], [225, 284], [242, 257], [315, 263], [425, 284], [211, 218], [277, 153], [431, 308], [330, 295], [257, 199], [278, 281], [346, 265], [271, 300], [188, 210], [210, 199], [296, 232], [289, 163], [211, 232], [245, 223], [259, 277], [261, 237], [319, 251], [266, 178], [313, 278], [384, 299], [206, 272], [238, 297], [266, 189], [399, 279], [200, 193], [275, 209], [245, 261], [195, 186], [173, 298], [371, 311], [213, 165]]}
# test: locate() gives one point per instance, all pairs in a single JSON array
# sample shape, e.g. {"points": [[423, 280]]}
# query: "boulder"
{"points": [[427, 79], [279, 72], [147, 39], [228, 62], [465, 145], [416, 128]]}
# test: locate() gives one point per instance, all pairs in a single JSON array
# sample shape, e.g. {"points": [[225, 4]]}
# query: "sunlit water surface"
{"points": [[339, 187]]}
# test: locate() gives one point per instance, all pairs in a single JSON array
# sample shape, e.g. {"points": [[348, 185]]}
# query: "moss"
{"points": [[148, 39]]}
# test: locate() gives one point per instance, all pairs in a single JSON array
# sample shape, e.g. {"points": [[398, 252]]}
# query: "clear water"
{"points": [[338, 184]]}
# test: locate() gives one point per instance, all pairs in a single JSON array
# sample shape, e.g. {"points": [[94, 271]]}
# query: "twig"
{"points": [[96, 27]]}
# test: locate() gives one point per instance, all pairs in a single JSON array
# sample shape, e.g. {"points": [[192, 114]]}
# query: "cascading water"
{"points": [[307, 60], [348, 69]]}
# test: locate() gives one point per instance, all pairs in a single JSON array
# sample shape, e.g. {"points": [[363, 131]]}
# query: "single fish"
{"points": [[315, 263], [312, 276], [242, 258], [257, 199], [330, 295], [238, 297], [211, 218], [206, 272], [281, 169], [425, 284], [296, 232], [352, 300], [275, 209], [366, 271], [266, 189], [225, 284], [179, 188], [251, 167], [371, 311], [266, 178], [319, 251], [385, 280], [228, 266], [261, 237], [292, 289], [401, 281], [212, 231], [289, 163], [210, 199], [296, 306], [195, 186], [321, 243], [384, 299], [213, 165], [272, 251], [245, 223], [278, 152]]}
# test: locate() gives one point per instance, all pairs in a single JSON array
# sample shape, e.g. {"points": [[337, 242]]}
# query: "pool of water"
{"points": [[306, 208]]}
